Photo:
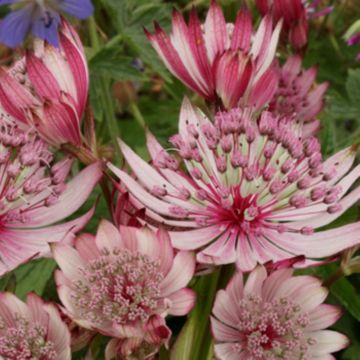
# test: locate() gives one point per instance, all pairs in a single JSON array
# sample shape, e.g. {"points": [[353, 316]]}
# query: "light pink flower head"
{"points": [[298, 96], [250, 191], [32, 330], [123, 284], [224, 63], [47, 89], [296, 15], [34, 195], [274, 316]]}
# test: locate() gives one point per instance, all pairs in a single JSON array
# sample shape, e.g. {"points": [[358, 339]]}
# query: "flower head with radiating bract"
{"points": [[123, 284], [47, 89], [225, 63], [40, 17], [34, 194], [32, 330], [274, 316], [298, 97], [254, 190]]}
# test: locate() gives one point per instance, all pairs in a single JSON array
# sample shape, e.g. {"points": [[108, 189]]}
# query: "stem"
{"points": [[105, 93], [136, 113], [335, 276]]}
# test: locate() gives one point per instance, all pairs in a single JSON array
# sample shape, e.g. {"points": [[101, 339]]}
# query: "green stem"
{"points": [[335, 276], [196, 333], [136, 113], [105, 93]]}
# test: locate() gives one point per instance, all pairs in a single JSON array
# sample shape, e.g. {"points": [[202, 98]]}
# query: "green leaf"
{"points": [[342, 289], [33, 276], [118, 12], [118, 67], [353, 87]]}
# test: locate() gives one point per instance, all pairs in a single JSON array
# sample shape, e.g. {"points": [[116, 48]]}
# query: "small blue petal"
{"points": [[45, 26], [7, 2], [15, 26], [80, 9]]}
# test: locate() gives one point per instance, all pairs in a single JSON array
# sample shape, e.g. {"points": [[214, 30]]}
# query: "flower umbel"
{"points": [[123, 284], [274, 316], [254, 189], [47, 89], [32, 331], [224, 63], [34, 194], [39, 17]]}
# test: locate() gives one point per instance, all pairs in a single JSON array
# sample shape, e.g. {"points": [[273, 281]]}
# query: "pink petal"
{"points": [[242, 33], [254, 282], [323, 317], [108, 237], [225, 309], [226, 351], [224, 333], [328, 341], [86, 246], [182, 301], [215, 31], [166, 251], [76, 193], [180, 274]]}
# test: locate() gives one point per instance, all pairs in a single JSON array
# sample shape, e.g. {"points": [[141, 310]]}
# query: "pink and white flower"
{"points": [[274, 316], [296, 15], [34, 195], [225, 63], [32, 330], [47, 88], [124, 283], [253, 190], [298, 96]]}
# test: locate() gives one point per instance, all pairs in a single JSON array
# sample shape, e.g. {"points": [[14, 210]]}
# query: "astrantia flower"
{"points": [[298, 96], [276, 316], [123, 284], [48, 88], [253, 189], [222, 62], [32, 330], [39, 17], [34, 195], [296, 14]]}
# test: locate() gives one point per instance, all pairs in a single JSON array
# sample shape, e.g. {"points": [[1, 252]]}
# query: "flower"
{"points": [[123, 284], [273, 316], [253, 190], [222, 62], [34, 195], [298, 96], [40, 17], [32, 330], [352, 36], [48, 88], [296, 14]]}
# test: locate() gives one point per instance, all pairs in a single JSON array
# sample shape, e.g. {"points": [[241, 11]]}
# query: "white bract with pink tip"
{"points": [[274, 316], [124, 283]]}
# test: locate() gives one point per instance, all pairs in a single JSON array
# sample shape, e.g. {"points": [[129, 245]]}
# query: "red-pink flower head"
{"points": [[296, 14], [298, 96], [47, 89], [34, 194], [274, 316], [123, 284], [224, 63], [32, 330], [253, 190]]}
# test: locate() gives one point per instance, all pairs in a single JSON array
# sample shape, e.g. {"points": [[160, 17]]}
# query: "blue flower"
{"points": [[40, 17]]}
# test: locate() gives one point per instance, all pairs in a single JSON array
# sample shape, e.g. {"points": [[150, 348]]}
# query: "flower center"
{"points": [[25, 341], [119, 287], [272, 330]]}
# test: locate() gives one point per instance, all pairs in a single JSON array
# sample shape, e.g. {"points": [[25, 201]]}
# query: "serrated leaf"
{"points": [[33, 276], [118, 67]]}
